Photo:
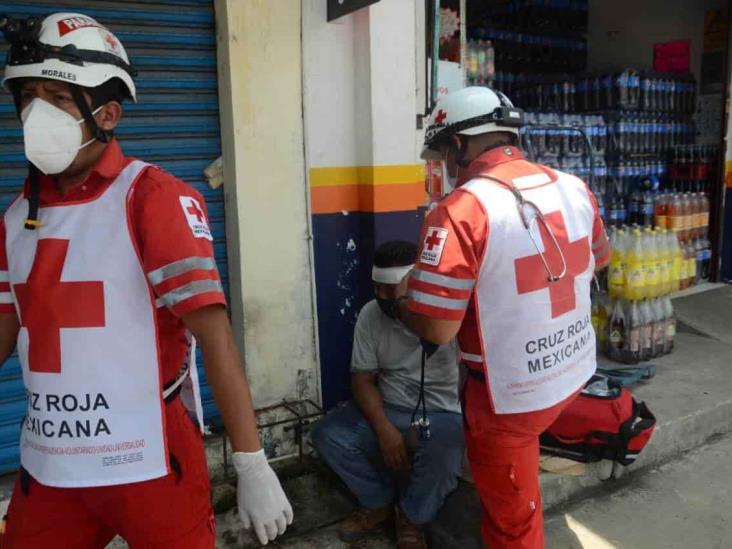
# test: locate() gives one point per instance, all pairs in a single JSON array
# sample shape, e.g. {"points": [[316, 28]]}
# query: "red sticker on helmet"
{"points": [[111, 44], [65, 26]]}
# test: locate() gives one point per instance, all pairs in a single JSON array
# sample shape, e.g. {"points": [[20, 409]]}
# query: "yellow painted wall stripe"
{"points": [[366, 175]]}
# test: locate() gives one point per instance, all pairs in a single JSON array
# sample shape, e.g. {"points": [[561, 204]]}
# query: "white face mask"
{"points": [[52, 136], [448, 182]]}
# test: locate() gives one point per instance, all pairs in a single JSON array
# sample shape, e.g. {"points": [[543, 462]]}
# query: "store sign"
{"points": [[339, 8], [672, 56]]}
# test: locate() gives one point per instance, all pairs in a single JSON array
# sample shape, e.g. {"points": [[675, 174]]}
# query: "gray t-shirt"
{"points": [[383, 345]]}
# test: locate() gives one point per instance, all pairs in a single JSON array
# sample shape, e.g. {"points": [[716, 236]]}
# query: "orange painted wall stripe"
{"points": [[367, 198], [367, 188]]}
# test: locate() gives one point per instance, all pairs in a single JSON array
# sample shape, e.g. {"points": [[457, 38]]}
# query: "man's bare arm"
{"points": [[210, 325], [368, 399]]}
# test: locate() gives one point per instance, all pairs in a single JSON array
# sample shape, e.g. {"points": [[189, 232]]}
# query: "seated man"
{"points": [[364, 441]]}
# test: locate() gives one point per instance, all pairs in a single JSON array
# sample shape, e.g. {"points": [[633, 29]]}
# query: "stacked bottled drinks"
{"points": [[691, 167], [555, 16], [635, 133], [521, 50], [552, 140], [649, 263], [629, 90], [634, 331], [480, 63]]}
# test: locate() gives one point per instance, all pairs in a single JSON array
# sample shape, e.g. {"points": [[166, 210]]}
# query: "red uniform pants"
{"points": [[165, 513], [503, 451]]}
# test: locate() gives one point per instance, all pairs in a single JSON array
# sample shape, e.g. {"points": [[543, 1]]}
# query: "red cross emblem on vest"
{"points": [[531, 276], [195, 211], [435, 239], [47, 304]]}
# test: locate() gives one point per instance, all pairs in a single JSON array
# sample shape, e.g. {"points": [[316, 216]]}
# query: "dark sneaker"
{"points": [[409, 536], [363, 523]]}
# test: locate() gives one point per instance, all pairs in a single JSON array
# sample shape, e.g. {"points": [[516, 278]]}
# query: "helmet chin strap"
{"points": [[462, 150], [96, 132]]}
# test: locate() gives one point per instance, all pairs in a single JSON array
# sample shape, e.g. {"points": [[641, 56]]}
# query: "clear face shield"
{"points": [[438, 182]]}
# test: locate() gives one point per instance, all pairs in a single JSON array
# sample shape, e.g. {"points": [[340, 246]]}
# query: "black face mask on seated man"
{"points": [[387, 306]]}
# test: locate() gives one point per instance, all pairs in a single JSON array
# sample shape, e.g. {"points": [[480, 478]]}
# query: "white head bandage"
{"points": [[390, 275]]}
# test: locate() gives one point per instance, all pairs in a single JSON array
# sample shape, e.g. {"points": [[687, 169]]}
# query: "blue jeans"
{"points": [[346, 441]]}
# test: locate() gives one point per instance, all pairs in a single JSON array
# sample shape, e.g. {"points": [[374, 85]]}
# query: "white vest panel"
{"points": [[95, 415], [538, 342]]}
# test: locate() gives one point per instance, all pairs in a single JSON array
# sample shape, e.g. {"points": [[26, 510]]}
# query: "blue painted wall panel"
{"points": [[344, 247]]}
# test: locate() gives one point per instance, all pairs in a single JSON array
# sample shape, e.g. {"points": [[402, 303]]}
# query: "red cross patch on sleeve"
{"points": [[434, 243], [196, 217]]}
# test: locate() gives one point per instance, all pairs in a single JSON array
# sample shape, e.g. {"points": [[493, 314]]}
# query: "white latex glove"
{"points": [[262, 502]]}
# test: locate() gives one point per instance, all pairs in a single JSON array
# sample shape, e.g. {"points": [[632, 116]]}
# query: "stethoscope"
{"points": [[521, 205]]}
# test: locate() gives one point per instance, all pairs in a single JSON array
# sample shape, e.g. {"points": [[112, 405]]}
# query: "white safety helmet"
{"points": [[470, 111], [69, 47]]}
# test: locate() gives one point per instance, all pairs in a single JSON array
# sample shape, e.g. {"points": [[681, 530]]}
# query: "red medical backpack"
{"points": [[603, 422]]}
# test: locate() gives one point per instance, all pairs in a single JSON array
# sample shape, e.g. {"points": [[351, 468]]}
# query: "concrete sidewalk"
{"points": [[681, 504]]}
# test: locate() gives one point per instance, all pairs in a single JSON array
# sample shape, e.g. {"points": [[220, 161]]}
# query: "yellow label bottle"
{"points": [[666, 262], [650, 259], [616, 270], [635, 278]]}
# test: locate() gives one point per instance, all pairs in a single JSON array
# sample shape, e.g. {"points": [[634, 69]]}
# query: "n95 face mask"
{"points": [[52, 136]]}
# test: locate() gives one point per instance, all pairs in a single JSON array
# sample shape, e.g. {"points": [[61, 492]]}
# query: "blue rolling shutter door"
{"points": [[175, 124]]}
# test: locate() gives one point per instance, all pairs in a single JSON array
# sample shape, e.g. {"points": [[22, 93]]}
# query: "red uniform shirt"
{"points": [[451, 257], [164, 238]]}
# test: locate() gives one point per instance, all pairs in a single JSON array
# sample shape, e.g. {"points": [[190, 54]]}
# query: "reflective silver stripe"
{"points": [[190, 290], [443, 280], [181, 267], [471, 358], [599, 243], [602, 251], [4, 276], [6, 297], [436, 301]]}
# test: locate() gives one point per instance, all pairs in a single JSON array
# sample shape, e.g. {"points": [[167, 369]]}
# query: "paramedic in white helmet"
{"points": [[107, 281], [506, 264]]}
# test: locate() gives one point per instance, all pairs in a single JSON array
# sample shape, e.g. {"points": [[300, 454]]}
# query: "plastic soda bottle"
{"points": [[616, 270], [646, 331], [670, 317], [635, 273], [616, 335], [686, 217], [651, 261], [704, 215], [663, 265], [673, 210], [678, 262], [659, 327], [631, 351], [696, 216], [691, 264], [661, 211]]}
